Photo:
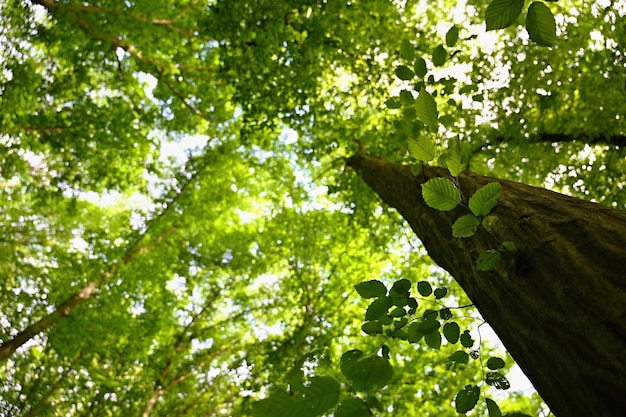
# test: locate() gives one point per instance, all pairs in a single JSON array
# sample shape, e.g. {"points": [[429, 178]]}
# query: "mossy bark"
{"points": [[558, 303]]}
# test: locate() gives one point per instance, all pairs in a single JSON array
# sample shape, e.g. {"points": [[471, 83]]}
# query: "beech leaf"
{"points": [[441, 194], [502, 13], [485, 198], [426, 110], [540, 24]]}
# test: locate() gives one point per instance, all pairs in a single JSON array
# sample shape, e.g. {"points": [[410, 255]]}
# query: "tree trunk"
{"points": [[558, 304]]}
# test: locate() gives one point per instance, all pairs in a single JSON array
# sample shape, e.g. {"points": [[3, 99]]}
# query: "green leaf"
{"points": [[452, 36], [439, 56], [451, 331], [406, 98], [441, 194], [393, 103], [485, 199], [426, 110], [466, 399], [404, 73], [457, 358], [370, 372], [279, 404], [433, 340], [497, 380], [429, 326], [502, 13], [398, 312], [454, 163], [320, 395], [420, 67], [407, 50], [540, 24], [487, 260], [372, 327], [317, 398], [422, 149], [494, 363], [413, 332], [445, 313], [440, 293], [378, 308], [490, 222], [401, 286], [352, 407], [371, 289], [466, 339], [424, 288], [465, 226], [492, 408], [508, 246]]}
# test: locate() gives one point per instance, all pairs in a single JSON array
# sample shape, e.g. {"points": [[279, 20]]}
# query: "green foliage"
{"points": [[441, 194], [494, 363], [371, 289], [488, 260], [465, 226], [452, 36], [320, 395], [492, 408], [352, 407], [540, 24], [365, 373], [466, 399], [426, 110], [422, 149], [424, 288], [485, 199], [186, 161], [502, 13]]}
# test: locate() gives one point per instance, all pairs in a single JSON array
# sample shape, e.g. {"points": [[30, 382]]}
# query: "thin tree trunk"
{"points": [[65, 309], [558, 304]]}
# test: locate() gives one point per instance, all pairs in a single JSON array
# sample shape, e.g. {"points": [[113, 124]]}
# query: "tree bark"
{"points": [[558, 304]]}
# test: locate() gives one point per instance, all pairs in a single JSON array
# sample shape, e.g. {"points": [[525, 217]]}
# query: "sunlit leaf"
{"points": [[485, 199], [441, 194], [502, 13], [541, 25], [426, 110], [465, 226], [422, 149]]}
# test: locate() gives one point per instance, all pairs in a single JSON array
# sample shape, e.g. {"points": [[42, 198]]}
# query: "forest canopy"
{"points": [[186, 226]]}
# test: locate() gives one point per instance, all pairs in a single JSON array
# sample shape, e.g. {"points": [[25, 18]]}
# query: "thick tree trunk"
{"points": [[558, 304]]}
